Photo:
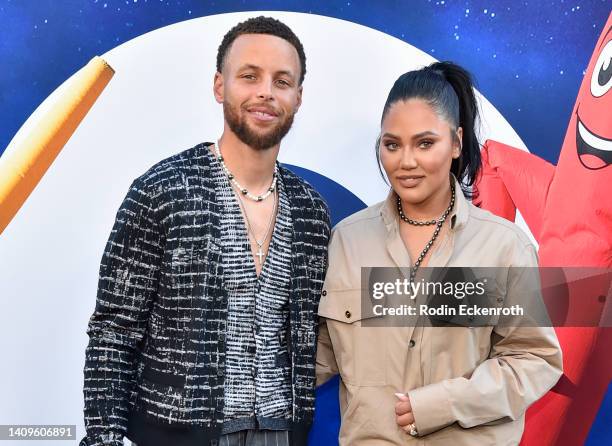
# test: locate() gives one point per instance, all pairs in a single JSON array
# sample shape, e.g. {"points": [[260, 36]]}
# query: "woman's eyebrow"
{"points": [[425, 133]]}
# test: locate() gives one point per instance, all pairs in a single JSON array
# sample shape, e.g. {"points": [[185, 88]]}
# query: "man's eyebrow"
{"points": [[249, 66], [286, 73]]}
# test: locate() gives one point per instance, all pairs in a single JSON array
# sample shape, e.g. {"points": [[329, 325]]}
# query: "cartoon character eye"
{"points": [[601, 79]]}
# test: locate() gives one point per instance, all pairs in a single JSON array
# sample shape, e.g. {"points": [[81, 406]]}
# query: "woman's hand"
{"points": [[403, 413]]}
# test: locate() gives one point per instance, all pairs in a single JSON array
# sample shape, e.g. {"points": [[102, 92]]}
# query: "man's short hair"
{"points": [[262, 25]]}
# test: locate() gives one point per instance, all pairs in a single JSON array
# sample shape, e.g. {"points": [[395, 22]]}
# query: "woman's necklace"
{"points": [[260, 252], [243, 190], [438, 222]]}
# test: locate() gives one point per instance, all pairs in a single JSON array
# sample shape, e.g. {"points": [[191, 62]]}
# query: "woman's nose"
{"points": [[408, 160]]}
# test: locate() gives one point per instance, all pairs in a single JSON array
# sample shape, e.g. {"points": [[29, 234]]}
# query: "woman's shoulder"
{"points": [[363, 219], [487, 223]]}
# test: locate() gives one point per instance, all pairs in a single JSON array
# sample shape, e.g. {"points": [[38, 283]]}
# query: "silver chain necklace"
{"points": [[260, 252], [438, 222], [243, 190]]}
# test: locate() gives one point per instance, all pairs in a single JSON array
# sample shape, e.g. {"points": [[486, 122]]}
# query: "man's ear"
{"points": [[218, 87], [299, 98]]}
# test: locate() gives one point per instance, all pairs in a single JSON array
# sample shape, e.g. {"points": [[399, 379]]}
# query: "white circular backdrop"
{"points": [[159, 103]]}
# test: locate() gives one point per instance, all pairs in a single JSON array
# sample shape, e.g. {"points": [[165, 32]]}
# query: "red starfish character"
{"points": [[568, 208]]}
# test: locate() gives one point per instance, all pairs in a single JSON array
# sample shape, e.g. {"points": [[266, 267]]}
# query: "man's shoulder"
{"points": [[298, 187], [176, 168]]}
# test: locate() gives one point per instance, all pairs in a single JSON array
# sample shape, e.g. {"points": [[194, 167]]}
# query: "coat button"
{"points": [[347, 314], [500, 299], [411, 343], [324, 293]]}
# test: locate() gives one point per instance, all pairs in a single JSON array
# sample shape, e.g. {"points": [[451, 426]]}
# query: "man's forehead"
{"points": [[255, 49]]}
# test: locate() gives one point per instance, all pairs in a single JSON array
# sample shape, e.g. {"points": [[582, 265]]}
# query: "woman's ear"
{"points": [[458, 144]]}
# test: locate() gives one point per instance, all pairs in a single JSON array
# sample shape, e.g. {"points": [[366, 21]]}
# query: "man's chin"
{"points": [[260, 141]]}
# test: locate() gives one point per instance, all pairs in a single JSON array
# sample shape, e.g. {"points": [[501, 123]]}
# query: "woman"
{"points": [[456, 385]]}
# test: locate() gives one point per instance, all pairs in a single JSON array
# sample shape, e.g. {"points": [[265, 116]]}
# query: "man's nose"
{"points": [[264, 91]]}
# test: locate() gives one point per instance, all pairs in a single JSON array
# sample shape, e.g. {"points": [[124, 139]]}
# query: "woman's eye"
{"points": [[425, 144], [391, 145]]}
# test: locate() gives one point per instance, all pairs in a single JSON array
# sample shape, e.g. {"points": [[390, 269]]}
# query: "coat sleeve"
{"points": [[128, 282], [523, 364], [326, 360]]}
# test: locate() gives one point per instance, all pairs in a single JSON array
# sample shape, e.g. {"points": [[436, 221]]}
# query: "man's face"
{"points": [[259, 89]]}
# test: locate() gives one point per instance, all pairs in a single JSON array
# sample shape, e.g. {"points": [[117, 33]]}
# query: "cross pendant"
{"points": [[260, 254]]}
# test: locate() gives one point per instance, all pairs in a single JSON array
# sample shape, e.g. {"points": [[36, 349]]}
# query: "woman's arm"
{"points": [[524, 363]]}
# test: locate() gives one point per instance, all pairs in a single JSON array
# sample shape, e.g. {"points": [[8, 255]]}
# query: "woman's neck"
{"points": [[430, 208]]}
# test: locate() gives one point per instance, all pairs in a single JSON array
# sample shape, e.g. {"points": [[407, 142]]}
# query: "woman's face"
{"points": [[417, 147]]}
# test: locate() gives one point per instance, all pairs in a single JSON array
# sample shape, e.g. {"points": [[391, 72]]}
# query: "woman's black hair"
{"points": [[448, 88]]}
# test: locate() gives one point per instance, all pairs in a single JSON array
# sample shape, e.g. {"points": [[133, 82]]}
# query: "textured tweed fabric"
{"points": [[258, 373], [156, 358]]}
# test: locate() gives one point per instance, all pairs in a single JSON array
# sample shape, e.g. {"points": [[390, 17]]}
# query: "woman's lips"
{"points": [[410, 181]]}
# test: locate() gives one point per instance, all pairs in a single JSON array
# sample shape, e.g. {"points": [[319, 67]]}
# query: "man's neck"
{"points": [[252, 168]]}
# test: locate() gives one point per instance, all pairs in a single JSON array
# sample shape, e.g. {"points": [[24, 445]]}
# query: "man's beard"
{"points": [[255, 140]]}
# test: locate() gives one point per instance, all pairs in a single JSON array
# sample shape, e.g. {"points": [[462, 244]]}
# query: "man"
{"points": [[205, 323]]}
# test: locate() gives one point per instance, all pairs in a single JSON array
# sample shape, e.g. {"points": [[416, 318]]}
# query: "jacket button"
{"points": [[500, 299], [411, 343], [324, 293], [347, 314]]}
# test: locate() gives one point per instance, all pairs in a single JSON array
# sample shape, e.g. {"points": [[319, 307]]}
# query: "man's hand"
{"points": [[403, 412]]}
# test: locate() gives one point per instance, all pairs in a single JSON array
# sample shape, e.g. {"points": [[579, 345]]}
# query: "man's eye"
{"points": [[249, 76], [283, 83]]}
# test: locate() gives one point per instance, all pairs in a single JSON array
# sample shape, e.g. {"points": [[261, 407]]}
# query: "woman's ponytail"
{"points": [[466, 167]]}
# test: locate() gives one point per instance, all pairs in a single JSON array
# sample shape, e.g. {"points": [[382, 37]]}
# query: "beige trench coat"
{"points": [[467, 386]]}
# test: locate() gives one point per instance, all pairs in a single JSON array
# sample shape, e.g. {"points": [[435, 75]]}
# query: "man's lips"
{"points": [[262, 113], [594, 152]]}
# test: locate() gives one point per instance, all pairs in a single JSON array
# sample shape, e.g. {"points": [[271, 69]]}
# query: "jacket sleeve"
{"points": [[128, 281], [524, 363], [326, 360]]}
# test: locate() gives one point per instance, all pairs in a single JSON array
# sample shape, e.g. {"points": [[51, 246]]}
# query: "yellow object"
{"points": [[23, 166]]}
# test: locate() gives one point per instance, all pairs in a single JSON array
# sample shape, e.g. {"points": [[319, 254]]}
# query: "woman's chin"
{"points": [[411, 196]]}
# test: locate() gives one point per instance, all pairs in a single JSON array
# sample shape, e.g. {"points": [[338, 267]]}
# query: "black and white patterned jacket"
{"points": [[154, 367]]}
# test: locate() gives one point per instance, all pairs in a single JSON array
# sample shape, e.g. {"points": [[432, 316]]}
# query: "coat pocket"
{"points": [[164, 378], [360, 351]]}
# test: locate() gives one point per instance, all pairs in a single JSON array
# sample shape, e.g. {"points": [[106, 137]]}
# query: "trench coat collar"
{"points": [[458, 216]]}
